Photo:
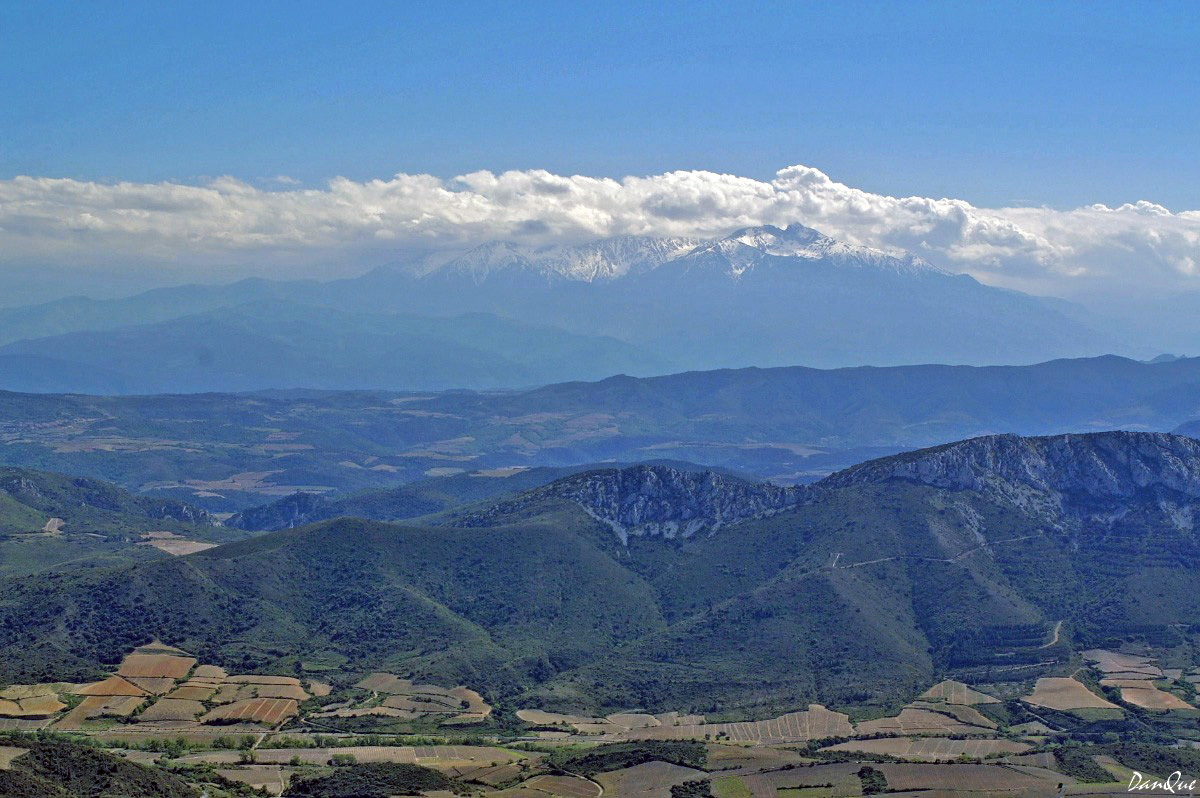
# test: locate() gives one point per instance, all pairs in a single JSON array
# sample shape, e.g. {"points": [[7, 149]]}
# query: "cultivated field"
{"points": [[95, 707], [113, 685], [953, 692], [1147, 696], [155, 666], [1065, 694], [925, 749], [409, 700], [1134, 676], [964, 778], [563, 786], [912, 720], [8, 754], [650, 780], [192, 692], [171, 709], [814, 723], [268, 711], [1111, 662], [173, 544], [271, 778]]}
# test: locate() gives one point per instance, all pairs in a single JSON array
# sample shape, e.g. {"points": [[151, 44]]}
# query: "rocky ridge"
{"points": [[654, 501]]}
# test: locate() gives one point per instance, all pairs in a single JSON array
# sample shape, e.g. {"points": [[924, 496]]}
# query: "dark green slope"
{"points": [[764, 617], [101, 524], [486, 607], [953, 561], [85, 505], [62, 769]]}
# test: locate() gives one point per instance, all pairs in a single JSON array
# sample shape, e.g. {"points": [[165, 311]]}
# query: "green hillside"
{"points": [[52, 520], [873, 584], [29, 498]]}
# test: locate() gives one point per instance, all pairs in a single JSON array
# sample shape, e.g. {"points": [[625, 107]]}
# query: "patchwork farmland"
{"points": [[951, 738]]}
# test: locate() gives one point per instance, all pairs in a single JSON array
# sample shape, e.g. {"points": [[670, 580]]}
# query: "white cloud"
{"points": [[195, 227]]}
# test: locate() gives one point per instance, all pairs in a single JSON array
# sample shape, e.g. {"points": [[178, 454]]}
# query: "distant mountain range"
{"points": [[278, 345], [505, 315], [992, 559], [229, 452]]}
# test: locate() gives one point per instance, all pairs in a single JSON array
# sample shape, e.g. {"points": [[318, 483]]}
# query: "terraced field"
{"points": [[409, 700], [815, 723], [926, 749], [912, 720], [965, 778], [1135, 677], [649, 780], [268, 711]]}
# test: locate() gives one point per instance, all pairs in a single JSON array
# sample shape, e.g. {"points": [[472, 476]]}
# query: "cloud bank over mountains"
{"points": [[1141, 247]]}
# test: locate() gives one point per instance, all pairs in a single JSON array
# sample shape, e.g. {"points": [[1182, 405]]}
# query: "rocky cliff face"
{"points": [[179, 511], [1100, 476], [1081, 470], [657, 500], [290, 511]]}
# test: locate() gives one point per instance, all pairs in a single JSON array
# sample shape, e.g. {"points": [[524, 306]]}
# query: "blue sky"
{"points": [[1061, 104]]}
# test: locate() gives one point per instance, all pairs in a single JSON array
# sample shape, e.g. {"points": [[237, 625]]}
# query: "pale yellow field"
{"points": [[156, 666], [1148, 696], [113, 685], [192, 692], [255, 710], [252, 678], [953, 692], [918, 721], [1065, 694], [8, 754], [154, 686]]}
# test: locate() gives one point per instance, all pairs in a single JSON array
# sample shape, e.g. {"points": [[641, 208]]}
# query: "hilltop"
{"points": [[50, 520], [868, 584]]}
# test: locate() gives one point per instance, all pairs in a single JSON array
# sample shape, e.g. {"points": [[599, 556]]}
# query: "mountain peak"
{"points": [[1100, 466], [612, 258], [780, 241], [745, 249], [595, 261], [655, 500]]}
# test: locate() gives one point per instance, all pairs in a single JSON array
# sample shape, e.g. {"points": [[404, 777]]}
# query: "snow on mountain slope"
{"points": [[597, 261], [747, 248], [612, 258]]}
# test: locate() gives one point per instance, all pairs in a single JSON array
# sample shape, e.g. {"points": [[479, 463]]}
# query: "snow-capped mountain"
{"points": [[596, 261], [621, 256], [763, 296], [748, 247]]}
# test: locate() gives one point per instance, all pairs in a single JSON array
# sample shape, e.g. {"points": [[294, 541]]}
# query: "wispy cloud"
{"points": [[1095, 248]]}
